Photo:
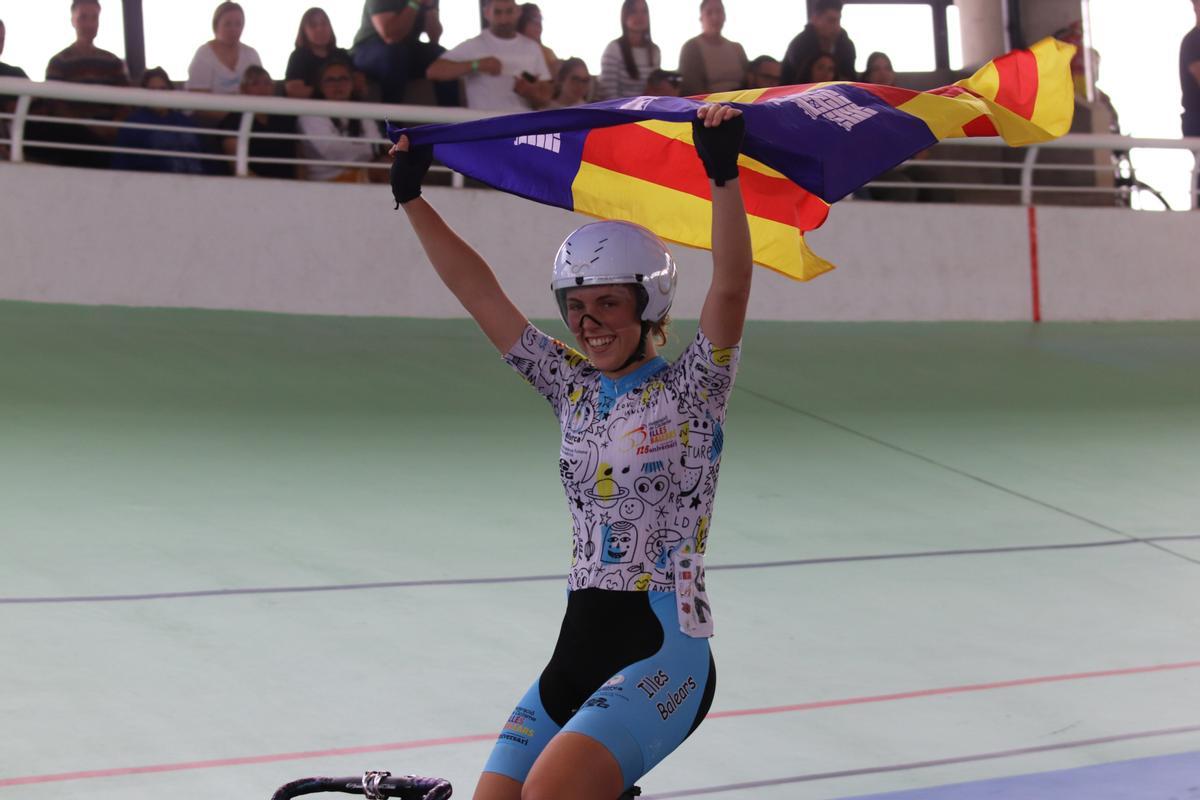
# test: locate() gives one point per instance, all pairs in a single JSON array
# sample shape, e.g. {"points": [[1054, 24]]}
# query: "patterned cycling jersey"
{"points": [[640, 455]]}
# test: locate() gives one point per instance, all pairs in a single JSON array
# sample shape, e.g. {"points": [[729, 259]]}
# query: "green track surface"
{"points": [[160, 451]]}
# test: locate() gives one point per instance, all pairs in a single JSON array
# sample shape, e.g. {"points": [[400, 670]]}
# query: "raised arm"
{"points": [[717, 132], [463, 270]]}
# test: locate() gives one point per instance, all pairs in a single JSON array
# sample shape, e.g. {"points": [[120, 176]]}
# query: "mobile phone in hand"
{"points": [[529, 76]]}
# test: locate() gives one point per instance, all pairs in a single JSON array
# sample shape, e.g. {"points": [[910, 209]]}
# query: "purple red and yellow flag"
{"points": [[806, 147]]}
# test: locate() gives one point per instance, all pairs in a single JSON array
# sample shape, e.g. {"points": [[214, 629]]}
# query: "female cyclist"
{"points": [[631, 675]]}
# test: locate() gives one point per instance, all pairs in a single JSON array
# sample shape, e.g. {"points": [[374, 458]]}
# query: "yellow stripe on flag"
{"points": [[684, 218]]}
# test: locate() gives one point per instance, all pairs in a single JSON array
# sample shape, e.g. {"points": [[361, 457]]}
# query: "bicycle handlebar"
{"points": [[374, 785]]}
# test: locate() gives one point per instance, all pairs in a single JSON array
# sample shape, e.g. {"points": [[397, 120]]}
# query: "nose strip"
{"points": [[595, 321]]}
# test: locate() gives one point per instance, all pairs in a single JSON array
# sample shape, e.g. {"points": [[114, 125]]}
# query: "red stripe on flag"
{"points": [[980, 126], [1018, 82], [892, 95], [643, 154]]}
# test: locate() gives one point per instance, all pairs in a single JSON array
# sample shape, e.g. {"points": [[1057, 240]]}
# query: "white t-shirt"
{"points": [[359, 149], [207, 73], [495, 92]]}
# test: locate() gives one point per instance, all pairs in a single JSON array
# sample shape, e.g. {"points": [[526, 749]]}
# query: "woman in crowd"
{"points": [[821, 69], [219, 64], [257, 82], [572, 84], [147, 139], [879, 70], [316, 43], [627, 61], [529, 24], [357, 140], [710, 62]]}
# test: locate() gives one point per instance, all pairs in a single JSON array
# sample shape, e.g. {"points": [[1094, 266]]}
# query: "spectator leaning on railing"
{"points": [[7, 70], [823, 34], [7, 103], [358, 140], [710, 62], [572, 85], [81, 62], [879, 70], [219, 64], [257, 82], [529, 24], [316, 43], [763, 73], [504, 70], [148, 139], [628, 61], [662, 83], [388, 47], [1189, 76]]}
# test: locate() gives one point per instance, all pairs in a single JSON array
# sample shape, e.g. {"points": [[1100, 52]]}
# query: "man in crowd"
{"points": [[823, 34], [1189, 76], [763, 73], [7, 71], [7, 103], [663, 83], [504, 71], [1189, 79], [81, 62], [389, 50]]}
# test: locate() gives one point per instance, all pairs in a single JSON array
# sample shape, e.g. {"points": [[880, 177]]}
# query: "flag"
{"points": [[805, 148]]}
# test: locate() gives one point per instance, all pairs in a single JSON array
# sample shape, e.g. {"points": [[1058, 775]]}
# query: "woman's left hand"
{"points": [[717, 133], [713, 114]]}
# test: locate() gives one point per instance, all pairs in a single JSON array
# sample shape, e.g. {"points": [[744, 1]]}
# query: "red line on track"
{"points": [[484, 737]]}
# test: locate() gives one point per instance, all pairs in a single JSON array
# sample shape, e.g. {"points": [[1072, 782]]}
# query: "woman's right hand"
{"points": [[409, 165]]}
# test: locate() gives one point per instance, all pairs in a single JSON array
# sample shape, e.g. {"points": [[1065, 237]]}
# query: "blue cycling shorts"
{"points": [[623, 674]]}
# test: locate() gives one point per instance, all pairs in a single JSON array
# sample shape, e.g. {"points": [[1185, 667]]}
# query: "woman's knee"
{"points": [[574, 766]]}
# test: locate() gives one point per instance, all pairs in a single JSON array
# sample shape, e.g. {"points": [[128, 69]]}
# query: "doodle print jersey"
{"points": [[640, 455]]}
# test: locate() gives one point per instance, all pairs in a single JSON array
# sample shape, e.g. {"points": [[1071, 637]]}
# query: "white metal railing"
{"points": [[1030, 167]]}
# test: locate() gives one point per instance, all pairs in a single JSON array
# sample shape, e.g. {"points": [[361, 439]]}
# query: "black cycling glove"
{"points": [[408, 170], [719, 147]]}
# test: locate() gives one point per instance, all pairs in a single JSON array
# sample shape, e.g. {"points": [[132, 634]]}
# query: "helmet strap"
{"points": [[640, 352]]}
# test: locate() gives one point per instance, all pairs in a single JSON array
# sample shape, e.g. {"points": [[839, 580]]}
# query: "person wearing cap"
{"points": [[710, 62], [662, 83], [632, 674]]}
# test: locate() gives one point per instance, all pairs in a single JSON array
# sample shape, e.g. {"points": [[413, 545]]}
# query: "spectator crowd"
{"points": [[396, 57]]}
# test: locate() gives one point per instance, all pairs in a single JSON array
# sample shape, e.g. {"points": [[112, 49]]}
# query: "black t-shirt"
{"points": [[305, 65], [268, 148], [9, 71], [1189, 53]]}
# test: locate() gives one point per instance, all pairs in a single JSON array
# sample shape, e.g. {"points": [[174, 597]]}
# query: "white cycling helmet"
{"points": [[608, 252]]}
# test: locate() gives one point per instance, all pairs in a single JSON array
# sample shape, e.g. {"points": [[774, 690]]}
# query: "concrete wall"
{"points": [[74, 236]]}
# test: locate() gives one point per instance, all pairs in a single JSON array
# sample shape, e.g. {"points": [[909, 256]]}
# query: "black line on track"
{"points": [[848, 773], [957, 471], [799, 562]]}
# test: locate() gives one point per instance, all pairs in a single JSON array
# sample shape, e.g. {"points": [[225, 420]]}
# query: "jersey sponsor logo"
{"points": [[543, 141], [519, 728], [675, 698]]}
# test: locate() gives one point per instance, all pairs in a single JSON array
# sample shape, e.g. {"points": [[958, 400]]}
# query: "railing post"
{"points": [[17, 149], [242, 166], [1031, 154], [1195, 187]]}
